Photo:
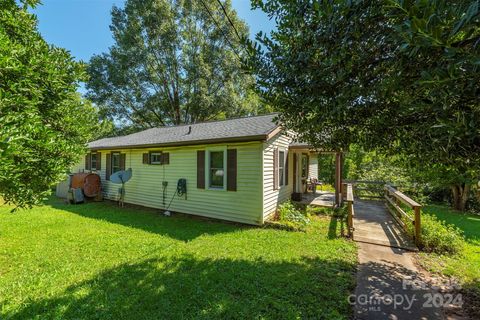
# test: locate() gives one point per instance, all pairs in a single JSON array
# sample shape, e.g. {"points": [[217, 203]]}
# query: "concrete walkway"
{"points": [[389, 285]]}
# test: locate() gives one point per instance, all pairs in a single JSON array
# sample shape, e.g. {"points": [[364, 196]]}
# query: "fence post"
{"points": [[350, 219], [418, 226]]}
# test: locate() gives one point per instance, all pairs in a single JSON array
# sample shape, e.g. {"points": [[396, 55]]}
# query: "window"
{"points": [[115, 162], [93, 161], [216, 171], [304, 166], [281, 167], [155, 158]]}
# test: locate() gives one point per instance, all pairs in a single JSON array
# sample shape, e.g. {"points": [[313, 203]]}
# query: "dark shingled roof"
{"points": [[232, 130]]}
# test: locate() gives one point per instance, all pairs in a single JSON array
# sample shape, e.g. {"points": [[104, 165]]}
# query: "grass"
{"points": [[98, 261], [464, 266]]}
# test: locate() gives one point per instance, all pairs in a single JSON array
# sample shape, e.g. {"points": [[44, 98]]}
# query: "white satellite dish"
{"points": [[120, 177]]}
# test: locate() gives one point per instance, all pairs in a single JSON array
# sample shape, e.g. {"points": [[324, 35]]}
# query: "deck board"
{"points": [[373, 224]]}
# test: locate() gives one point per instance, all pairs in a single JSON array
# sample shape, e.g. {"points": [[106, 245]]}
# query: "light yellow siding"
{"points": [[272, 198], [145, 187]]}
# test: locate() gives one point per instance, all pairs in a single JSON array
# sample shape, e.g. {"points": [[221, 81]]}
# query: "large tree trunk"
{"points": [[460, 196]]}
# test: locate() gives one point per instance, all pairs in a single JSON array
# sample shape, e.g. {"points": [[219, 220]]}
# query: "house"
{"points": [[237, 170]]}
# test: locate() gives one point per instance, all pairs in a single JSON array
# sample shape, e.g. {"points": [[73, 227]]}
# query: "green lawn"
{"points": [[98, 261], [466, 265]]}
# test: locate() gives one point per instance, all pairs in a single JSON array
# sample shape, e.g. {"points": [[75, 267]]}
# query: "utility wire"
{"points": [[218, 26], [233, 26], [229, 20]]}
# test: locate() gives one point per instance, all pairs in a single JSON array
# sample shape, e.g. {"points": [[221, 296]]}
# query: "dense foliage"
{"points": [[438, 236], [44, 122], [396, 76], [173, 62], [292, 217]]}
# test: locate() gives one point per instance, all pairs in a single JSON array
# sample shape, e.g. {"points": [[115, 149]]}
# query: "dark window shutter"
{"points": [[122, 161], [165, 158], [286, 168], [232, 169], [99, 161], [146, 158], [87, 161], [108, 167], [201, 169], [275, 168]]}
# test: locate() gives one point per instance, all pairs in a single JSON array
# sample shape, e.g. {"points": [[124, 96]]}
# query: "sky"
{"points": [[82, 26]]}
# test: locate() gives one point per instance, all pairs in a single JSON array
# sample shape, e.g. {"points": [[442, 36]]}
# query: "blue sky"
{"points": [[82, 26]]}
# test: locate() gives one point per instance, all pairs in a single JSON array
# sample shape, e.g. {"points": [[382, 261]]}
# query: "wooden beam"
{"points": [[338, 178]]}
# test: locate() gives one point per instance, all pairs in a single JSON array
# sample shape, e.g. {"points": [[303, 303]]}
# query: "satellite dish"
{"points": [[121, 177]]}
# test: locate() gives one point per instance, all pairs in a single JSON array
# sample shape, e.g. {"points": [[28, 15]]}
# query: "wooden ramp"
{"points": [[373, 224]]}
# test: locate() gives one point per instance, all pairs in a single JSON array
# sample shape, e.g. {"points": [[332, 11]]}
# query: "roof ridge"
{"points": [[259, 125], [213, 121]]}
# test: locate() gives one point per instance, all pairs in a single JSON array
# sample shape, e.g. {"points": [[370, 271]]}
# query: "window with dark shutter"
{"points": [[232, 169], [99, 161], [122, 161], [275, 168], [108, 167], [281, 168], [201, 169], [87, 161], [146, 158], [165, 158], [93, 161], [286, 168]]}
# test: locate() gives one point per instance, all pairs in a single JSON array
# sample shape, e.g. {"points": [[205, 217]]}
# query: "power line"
{"points": [[218, 26], [229, 20], [233, 26]]}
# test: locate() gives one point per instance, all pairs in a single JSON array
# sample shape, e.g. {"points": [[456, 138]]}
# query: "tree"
{"points": [[173, 62], [44, 121], [396, 76]]}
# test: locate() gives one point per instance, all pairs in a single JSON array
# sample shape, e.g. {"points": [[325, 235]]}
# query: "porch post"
{"points": [[338, 178]]}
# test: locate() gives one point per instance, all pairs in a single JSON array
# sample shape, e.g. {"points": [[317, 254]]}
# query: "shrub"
{"points": [[437, 236], [292, 217], [440, 237]]}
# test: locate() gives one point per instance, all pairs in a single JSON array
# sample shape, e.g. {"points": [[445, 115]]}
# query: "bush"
{"points": [[292, 217], [437, 236], [440, 237]]}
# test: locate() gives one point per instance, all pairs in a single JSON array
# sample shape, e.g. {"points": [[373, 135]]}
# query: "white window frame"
{"points": [[207, 168], [281, 180], [119, 162], [93, 168], [155, 153]]}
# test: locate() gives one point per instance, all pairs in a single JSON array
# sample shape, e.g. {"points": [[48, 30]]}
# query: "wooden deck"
{"points": [[320, 198], [374, 224]]}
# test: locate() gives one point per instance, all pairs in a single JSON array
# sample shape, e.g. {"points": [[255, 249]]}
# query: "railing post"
{"points": [[350, 219], [418, 226]]}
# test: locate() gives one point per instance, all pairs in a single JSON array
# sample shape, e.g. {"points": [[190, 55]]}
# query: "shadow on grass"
{"points": [[178, 226], [334, 228], [187, 287]]}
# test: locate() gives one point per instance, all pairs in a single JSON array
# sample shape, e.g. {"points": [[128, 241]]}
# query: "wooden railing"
{"points": [[351, 212], [363, 189], [394, 200]]}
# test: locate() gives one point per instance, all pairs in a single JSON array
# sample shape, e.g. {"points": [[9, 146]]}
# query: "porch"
{"points": [[320, 198], [305, 177]]}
